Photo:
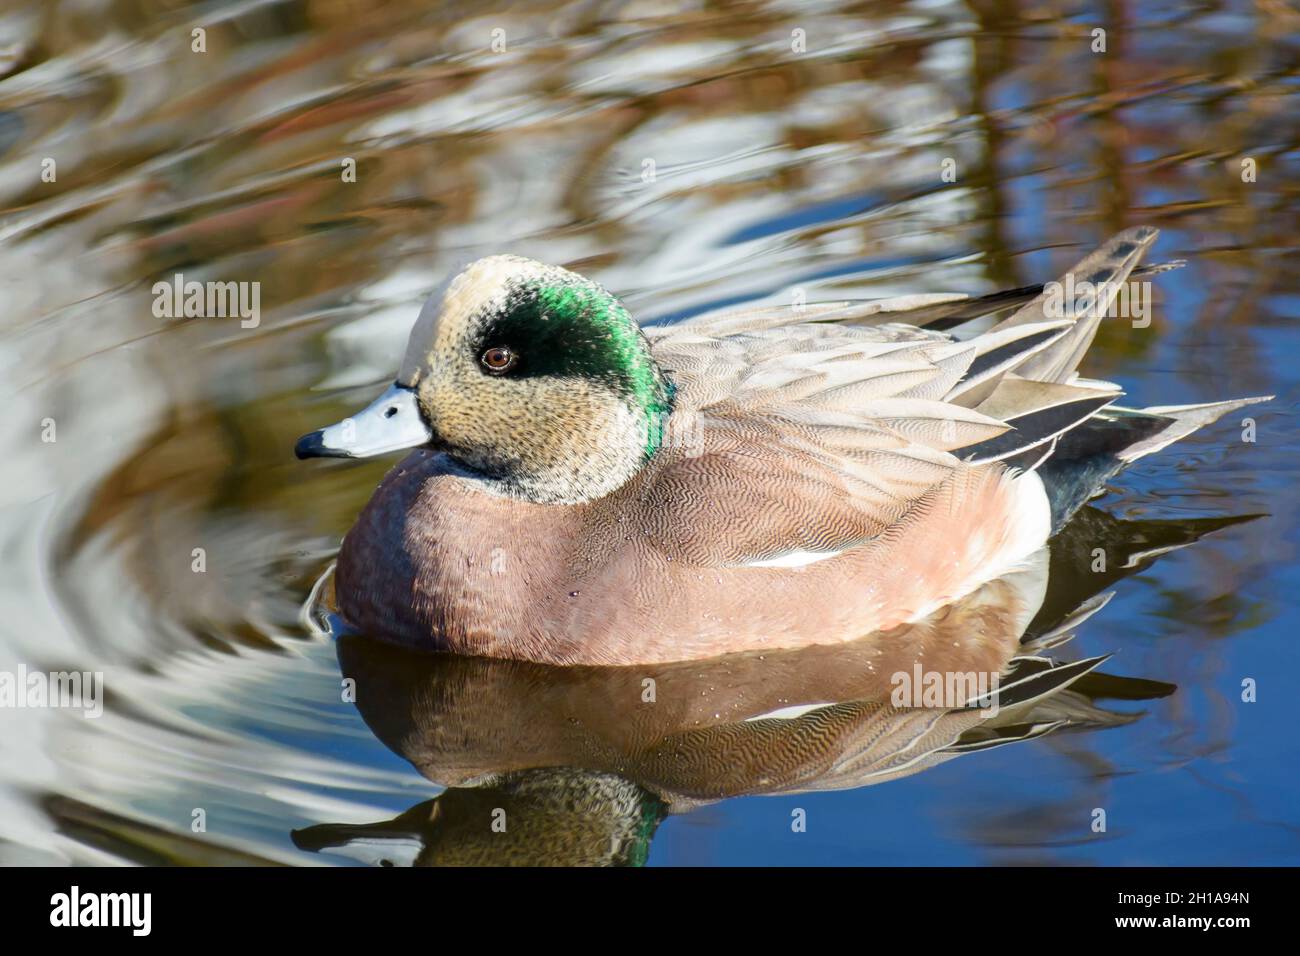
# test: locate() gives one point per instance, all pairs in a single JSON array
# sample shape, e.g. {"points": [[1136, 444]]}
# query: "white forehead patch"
{"points": [[459, 297]]}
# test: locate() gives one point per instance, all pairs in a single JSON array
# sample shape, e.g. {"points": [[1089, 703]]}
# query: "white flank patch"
{"points": [[1036, 512], [788, 713], [795, 559]]}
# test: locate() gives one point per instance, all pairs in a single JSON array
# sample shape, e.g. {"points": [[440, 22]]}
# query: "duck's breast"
{"points": [[436, 562]]}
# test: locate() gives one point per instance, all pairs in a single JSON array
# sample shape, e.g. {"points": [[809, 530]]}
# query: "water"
{"points": [[688, 157]]}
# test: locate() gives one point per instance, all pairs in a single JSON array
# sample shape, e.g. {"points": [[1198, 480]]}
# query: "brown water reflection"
{"points": [[686, 155]]}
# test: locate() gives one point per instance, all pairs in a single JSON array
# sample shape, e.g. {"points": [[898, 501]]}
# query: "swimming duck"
{"points": [[585, 771], [588, 491]]}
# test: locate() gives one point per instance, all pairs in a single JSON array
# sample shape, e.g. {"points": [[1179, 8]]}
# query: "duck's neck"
{"points": [[598, 444]]}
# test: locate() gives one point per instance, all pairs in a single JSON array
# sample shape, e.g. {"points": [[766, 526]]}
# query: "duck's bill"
{"points": [[389, 423]]}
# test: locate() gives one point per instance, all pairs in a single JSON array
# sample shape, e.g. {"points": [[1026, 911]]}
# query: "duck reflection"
{"points": [[552, 765]]}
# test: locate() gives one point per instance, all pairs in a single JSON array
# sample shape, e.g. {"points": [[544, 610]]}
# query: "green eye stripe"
{"points": [[577, 329]]}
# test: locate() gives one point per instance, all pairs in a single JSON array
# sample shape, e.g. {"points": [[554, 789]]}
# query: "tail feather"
{"points": [[942, 312], [1054, 416], [1089, 455], [1024, 371], [1058, 323], [1183, 420], [1106, 269], [997, 353], [1063, 426]]}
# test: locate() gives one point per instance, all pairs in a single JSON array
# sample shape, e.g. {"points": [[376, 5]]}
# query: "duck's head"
{"points": [[529, 375]]}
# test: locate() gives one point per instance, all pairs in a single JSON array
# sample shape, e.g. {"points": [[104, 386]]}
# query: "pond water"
{"points": [[156, 528]]}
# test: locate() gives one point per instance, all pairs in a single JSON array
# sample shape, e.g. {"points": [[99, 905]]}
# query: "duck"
{"points": [[580, 489], [585, 771]]}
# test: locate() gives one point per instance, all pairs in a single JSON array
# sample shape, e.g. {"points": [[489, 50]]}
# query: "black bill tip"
{"points": [[312, 445]]}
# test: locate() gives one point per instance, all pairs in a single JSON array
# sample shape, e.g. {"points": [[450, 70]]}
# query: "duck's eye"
{"points": [[499, 359]]}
